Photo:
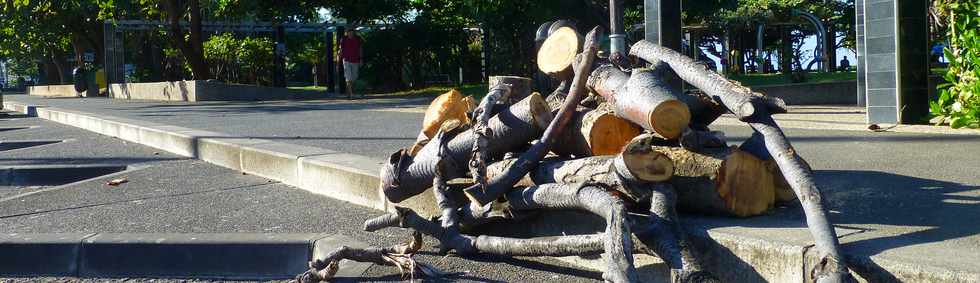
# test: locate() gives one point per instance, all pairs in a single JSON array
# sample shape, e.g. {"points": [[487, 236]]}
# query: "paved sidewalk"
{"points": [[177, 198], [902, 202]]}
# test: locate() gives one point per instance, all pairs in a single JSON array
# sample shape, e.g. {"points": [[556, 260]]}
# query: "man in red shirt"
{"points": [[350, 54]]}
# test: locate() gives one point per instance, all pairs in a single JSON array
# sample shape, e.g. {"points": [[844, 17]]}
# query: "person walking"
{"points": [[350, 54]]}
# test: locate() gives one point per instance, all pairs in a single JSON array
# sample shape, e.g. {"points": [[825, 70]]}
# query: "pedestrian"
{"points": [[350, 54], [844, 64]]}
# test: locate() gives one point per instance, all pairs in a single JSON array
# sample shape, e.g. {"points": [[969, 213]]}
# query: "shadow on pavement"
{"points": [[891, 211]]}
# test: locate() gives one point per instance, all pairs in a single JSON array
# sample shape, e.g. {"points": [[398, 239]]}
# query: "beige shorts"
{"points": [[350, 70]]}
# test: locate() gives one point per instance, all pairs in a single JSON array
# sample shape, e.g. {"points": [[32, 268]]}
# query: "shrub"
{"points": [[959, 98]]}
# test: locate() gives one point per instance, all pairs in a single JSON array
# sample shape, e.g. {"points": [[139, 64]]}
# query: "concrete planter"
{"points": [[54, 91], [841, 93], [205, 91]]}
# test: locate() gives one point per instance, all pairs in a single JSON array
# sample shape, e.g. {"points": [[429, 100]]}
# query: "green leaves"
{"points": [[959, 99]]}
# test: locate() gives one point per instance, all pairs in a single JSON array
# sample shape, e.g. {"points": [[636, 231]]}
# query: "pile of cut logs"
{"points": [[610, 138]]}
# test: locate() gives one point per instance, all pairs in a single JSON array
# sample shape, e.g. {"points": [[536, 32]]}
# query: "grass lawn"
{"points": [[777, 79], [476, 90]]}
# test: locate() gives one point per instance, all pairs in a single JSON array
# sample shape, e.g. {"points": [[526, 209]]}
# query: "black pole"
{"points": [[340, 67], [330, 66], [617, 39], [279, 73]]}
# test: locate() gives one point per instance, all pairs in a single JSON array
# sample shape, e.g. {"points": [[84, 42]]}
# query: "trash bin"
{"points": [[78, 75]]}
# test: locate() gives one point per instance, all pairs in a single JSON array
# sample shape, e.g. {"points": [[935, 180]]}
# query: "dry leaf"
{"points": [[116, 182]]}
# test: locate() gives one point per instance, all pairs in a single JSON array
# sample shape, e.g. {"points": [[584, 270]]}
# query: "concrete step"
{"points": [[203, 256], [760, 249]]}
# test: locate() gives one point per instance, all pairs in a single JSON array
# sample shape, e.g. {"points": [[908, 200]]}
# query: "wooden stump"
{"points": [[557, 53], [721, 181], [520, 87], [448, 106], [644, 98], [595, 132]]}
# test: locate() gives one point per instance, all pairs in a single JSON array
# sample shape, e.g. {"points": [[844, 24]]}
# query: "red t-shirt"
{"points": [[350, 49]]}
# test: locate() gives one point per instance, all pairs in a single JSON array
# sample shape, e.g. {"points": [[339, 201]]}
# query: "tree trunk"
{"points": [[520, 87], [627, 172], [738, 99], [721, 181], [557, 54], [499, 186], [595, 132], [192, 48], [404, 176], [832, 266], [644, 99]]}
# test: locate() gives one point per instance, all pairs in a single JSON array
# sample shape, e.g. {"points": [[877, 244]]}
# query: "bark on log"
{"points": [[704, 110], [756, 146], [499, 186], [404, 176], [324, 269], [626, 172], [557, 54], [478, 160], [520, 87], [721, 181], [756, 111], [738, 99], [643, 98], [616, 242], [594, 132], [661, 231]]}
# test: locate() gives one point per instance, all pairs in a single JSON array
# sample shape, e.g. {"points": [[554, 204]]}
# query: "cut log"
{"points": [[638, 163], [404, 176], [704, 110], [721, 181], [596, 132], [756, 146], [644, 99], [530, 158], [448, 106], [757, 110], [557, 53], [520, 87]]}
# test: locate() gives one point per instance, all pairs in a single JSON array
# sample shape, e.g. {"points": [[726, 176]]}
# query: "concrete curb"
{"points": [[219, 256], [733, 255]]}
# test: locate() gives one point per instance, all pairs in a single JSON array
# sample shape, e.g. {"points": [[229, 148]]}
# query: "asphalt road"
{"points": [[907, 194], [169, 194]]}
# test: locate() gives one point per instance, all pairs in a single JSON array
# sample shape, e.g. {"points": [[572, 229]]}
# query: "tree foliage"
{"points": [[959, 99]]}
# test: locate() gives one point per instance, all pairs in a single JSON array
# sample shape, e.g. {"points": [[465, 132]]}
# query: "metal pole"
{"points": [[331, 70], [617, 39], [279, 73], [339, 68]]}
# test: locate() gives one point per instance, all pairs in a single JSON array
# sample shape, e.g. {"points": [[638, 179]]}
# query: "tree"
{"points": [[191, 44], [47, 31]]}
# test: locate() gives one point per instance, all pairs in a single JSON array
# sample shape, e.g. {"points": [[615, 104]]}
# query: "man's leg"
{"points": [[350, 89]]}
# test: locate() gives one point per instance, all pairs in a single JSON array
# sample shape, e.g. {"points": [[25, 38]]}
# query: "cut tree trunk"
{"points": [[757, 110], [448, 106], [404, 176], [721, 181], [627, 172], [644, 98], [738, 99], [615, 242], [594, 132], [530, 158], [756, 146], [520, 87], [704, 110], [557, 54]]}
